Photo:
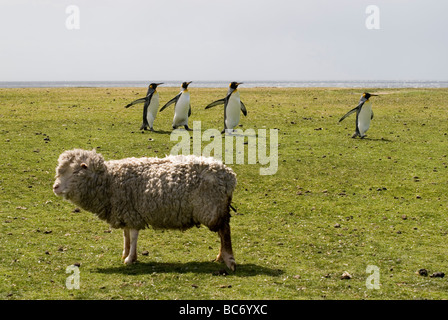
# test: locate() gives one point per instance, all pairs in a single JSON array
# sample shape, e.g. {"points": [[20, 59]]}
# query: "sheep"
{"points": [[175, 192]]}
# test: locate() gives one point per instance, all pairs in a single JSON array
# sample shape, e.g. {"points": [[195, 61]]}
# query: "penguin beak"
{"points": [[159, 83], [374, 95]]}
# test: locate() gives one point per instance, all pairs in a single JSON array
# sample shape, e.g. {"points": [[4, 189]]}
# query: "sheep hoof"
{"points": [[129, 260], [231, 264], [230, 261]]}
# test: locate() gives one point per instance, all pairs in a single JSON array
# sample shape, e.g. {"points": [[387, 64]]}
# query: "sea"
{"points": [[224, 84]]}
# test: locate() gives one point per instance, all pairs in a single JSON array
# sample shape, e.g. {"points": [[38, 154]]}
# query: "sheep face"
{"points": [[75, 168], [66, 174]]}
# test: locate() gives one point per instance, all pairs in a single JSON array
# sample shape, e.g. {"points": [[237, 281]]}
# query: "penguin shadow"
{"points": [[158, 132], [376, 139], [205, 267], [238, 134]]}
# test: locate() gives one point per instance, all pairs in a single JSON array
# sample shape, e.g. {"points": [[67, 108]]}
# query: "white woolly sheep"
{"points": [[175, 192]]}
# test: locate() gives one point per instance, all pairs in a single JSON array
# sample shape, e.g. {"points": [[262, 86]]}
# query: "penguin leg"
{"points": [[357, 133], [186, 128]]}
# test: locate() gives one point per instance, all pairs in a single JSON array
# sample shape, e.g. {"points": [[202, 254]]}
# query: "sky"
{"points": [[218, 40]]}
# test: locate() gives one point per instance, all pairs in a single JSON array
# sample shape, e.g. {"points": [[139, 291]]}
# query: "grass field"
{"points": [[335, 204]]}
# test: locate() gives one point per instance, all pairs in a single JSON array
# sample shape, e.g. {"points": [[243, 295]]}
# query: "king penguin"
{"points": [[232, 106], [150, 107], [364, 114], [182, 107]]}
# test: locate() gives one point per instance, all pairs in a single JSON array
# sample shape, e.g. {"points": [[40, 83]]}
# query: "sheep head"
{"points": [[75, 169]]}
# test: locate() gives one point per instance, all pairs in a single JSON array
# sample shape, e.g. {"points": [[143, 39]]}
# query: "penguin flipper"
{"points": [[349, 113], [141, 100], [189, 111], [371, 117], [216, 103], [243, 108], [174, 100]]}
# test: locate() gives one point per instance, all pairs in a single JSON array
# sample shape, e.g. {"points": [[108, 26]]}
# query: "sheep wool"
{"points": [[175, 192]]}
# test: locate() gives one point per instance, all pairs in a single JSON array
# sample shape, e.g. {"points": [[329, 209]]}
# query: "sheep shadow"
{"points": [[214, 268]]}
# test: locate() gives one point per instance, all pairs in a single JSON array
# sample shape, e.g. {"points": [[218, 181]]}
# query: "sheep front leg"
{"points": [[127, 243], [225, 252], [132, 256]]}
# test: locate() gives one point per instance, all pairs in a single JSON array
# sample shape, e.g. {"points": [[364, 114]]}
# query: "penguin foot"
{"points": [[354, 135], [188, 129], [226, 130]]}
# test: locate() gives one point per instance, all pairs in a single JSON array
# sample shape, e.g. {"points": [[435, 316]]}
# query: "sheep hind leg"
{"points": [[225, 252], [132, 257]]}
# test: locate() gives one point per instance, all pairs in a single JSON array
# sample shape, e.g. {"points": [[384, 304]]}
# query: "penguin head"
{"points": [[368, 95], [233, 85], [185, 85], [154, 85]]}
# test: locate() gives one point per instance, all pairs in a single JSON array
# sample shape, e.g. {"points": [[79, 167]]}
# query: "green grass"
{"points": [[335, 204]]}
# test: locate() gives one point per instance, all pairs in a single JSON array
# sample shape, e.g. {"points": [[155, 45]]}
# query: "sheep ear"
{"points": [[84, 166]]}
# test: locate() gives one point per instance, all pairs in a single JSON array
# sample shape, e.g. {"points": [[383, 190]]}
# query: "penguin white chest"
{"points": [[152, 108], [233, 111], [181, 110], [364, 118]]}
